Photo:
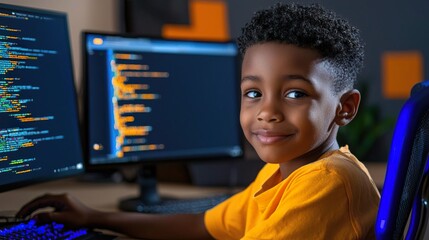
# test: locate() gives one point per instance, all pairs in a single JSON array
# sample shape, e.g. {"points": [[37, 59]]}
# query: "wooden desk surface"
{"points": [[101, 196]]}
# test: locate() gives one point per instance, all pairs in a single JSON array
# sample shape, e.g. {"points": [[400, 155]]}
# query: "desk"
{"points": [[101, 196]]}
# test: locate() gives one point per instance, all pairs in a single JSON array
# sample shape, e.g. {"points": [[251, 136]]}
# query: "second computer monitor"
{"points": [[39, 131], [151, 100]]}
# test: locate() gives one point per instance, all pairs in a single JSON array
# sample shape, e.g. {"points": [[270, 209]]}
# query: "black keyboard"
{"points": [[31, 230], [198, 205]]}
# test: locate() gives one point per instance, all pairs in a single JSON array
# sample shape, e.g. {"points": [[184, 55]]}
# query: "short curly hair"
{"points": [[314, 27]]}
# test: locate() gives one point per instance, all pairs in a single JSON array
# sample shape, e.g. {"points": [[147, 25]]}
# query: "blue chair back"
{"points": [[404, 199]]}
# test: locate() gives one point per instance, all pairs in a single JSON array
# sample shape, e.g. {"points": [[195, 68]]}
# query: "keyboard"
{"points": [[198, 205], [31, 230]]}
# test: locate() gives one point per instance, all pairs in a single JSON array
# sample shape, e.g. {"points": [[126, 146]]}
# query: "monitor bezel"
{"points": [[78, 172], [161, 160]]}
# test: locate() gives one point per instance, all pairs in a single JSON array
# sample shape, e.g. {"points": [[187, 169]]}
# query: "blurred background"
{"points": [[396, 40]]}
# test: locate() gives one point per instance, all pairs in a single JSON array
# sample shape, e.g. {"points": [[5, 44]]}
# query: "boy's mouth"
{"points": [[269, 137]]}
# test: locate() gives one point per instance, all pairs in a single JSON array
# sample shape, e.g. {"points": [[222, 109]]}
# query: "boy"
{"points": [[299, 67]]}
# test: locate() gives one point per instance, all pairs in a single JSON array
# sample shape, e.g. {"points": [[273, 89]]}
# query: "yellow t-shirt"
{"points": [[331, 198]]}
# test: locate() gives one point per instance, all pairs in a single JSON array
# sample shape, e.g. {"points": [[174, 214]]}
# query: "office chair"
{"points": [[404, 200]]}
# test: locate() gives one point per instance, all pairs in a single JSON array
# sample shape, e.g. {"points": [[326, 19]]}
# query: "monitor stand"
{"points": [[149, 200], [147, 182]]}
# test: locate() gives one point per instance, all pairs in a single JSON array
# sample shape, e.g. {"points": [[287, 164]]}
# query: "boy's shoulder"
{"points": [[341, 165], [341, 161]]}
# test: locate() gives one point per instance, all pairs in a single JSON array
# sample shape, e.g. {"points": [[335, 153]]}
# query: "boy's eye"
{"points": [[295, 94], [253, 94]]}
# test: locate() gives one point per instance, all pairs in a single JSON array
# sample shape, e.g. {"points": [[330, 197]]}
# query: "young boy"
{"points": [[298, 71]]}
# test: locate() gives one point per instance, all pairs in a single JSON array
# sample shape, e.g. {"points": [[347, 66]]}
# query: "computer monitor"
{"points": [[151, 100], [39, 132]]}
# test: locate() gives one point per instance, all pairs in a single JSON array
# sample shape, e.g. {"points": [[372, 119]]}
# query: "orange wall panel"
{"points": [[400, 71], [208, 21]]}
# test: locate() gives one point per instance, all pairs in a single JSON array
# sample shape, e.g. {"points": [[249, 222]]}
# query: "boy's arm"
{"points": [[73, 213]]}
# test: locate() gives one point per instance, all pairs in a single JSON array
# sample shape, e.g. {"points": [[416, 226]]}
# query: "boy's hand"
{"points": [[67, 210]]}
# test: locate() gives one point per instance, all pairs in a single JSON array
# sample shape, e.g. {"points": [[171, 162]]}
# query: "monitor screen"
{"points": [[150, 100], [39, 134]]}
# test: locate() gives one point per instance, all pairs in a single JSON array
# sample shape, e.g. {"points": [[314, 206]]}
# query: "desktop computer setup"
{"points": [[147, 101]]}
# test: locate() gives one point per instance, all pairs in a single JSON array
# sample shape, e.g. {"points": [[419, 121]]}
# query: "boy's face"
{"points": [[287, 106]]}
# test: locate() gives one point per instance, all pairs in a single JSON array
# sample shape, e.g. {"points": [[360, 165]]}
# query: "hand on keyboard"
{"points": [[73, 214], [67, 210]]}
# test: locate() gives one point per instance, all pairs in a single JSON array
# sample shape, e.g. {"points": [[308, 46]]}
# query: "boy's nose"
{"points": [[270, 112]]}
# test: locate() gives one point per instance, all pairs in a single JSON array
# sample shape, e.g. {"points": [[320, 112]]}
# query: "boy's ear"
{"points": [[348, 107]]}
